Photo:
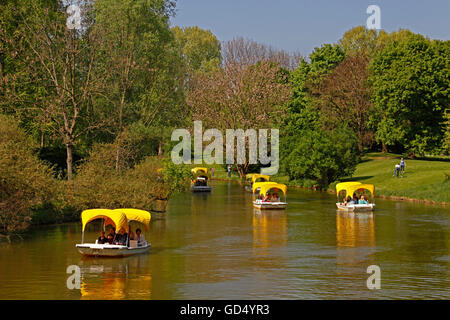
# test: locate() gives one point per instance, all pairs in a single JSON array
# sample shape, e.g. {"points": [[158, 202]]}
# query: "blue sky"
{"points": [[301, 25]]}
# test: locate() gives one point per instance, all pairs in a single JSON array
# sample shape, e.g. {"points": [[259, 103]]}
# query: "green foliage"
{"points": [[199, 47], [411, 83], [25, 182], [138, 184], [320, 156], [176, 177]]}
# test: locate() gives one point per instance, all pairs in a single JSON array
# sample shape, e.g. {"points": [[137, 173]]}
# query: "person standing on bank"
{"points": [[402, 166]]}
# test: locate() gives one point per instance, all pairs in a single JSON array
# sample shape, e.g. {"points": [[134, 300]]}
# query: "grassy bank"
{"points": [[425, 179]]}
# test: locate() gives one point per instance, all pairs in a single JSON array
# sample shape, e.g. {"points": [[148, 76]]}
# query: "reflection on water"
{"points": [[217, 246], [112, 278], [355, 244], [269, 230]]}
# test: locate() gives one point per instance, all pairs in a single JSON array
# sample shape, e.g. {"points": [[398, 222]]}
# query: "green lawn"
{"points": [[424, 179]]}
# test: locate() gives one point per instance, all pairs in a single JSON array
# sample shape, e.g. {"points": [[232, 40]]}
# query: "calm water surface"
{"points": [[215, 246]]}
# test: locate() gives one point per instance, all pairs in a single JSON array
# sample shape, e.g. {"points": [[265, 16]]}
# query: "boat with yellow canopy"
{"points": [[200, 181], [118, 218], [358, 189], [252, 178], [272, 201]]}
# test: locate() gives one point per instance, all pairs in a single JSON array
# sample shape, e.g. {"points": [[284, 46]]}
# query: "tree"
{"points": [[138, 65], [241, 95], [360, 39], [410, 80], [61, 61], [248, 52], [321, 156], [25, 182], [200, 48], [345, 98]]}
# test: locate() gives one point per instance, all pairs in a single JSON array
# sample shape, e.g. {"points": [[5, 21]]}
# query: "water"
{"points": [[215, 246]]}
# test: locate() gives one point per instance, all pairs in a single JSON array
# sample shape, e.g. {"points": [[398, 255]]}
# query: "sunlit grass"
{"points": [[424, 179]]}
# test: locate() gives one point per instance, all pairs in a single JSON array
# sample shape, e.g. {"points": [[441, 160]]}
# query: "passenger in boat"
{"points": [[112, 232], [139, 237], [110, 239], [121, 237], [266, 198], [347, 201], [355, 199], [363, 200], [102, 239], [276, 197]]}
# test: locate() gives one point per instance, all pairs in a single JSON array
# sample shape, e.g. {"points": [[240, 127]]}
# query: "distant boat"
{"points": [[200, 181], [118, 218], [269, 188], [358, 188], [251, 178]]}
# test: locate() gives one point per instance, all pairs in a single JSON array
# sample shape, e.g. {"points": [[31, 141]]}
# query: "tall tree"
{"points": [[344, 97], [60, 60], [139, 67], [240, 97], [200, 48], [411, 82]]}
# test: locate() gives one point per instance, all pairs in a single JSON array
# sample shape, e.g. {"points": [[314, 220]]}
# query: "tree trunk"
{"points": [[69, 161], [117, 158], [42, 140], [160, 150], [383, 148]]}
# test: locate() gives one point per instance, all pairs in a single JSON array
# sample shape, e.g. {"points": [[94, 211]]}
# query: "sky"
{"points": [[302, 25]]}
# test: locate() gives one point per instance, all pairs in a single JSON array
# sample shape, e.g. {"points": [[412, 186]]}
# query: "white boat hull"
{"points": [[269, 205], [107, 250], [356, 207]]}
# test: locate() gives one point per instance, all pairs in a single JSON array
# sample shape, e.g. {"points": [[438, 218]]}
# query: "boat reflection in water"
{"points": [[269, 231], [355, 244], [114, 279]]}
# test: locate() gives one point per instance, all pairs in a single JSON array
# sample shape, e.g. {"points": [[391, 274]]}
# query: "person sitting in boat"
{"points": [[276, 197], [112, 232], [139, 237], [110, 239], [347, 201], [102, 239], [355, 199], [121, 237], [363, 200], [266, 198]]}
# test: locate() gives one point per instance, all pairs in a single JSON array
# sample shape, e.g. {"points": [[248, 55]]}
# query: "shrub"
{"points": [[25, 181], [98, 184]]}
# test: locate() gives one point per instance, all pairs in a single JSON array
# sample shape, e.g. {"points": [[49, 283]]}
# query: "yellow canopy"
{"points": [[197, 169], [344, 185], [249, 175], [141, 216], [269, 186], [260, 176], [200, 172], [354, 188], [257, 185], [118, 218]]}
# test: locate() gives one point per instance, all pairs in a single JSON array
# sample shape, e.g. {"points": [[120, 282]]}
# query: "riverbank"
{"points": [[425, 180]]}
